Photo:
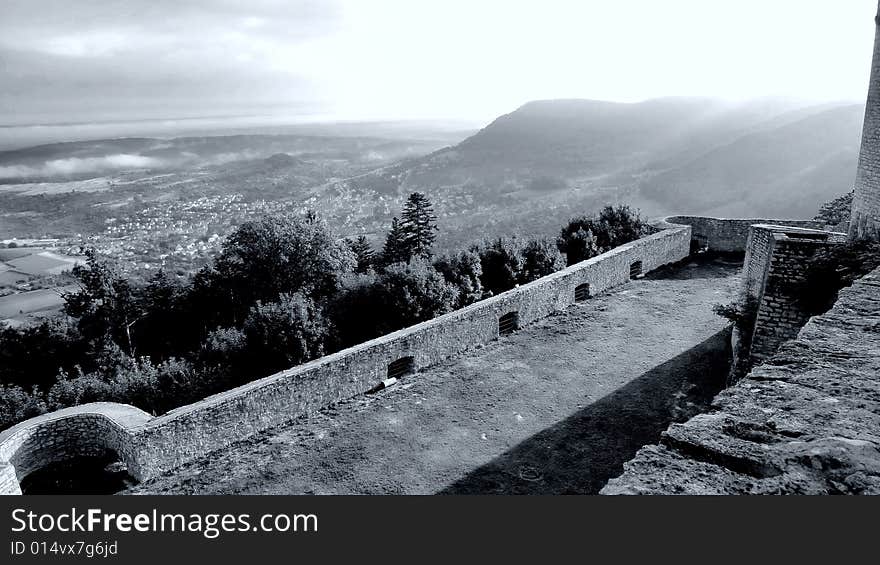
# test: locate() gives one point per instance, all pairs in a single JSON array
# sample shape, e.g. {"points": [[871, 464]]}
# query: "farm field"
{"points": [[16, 306]]}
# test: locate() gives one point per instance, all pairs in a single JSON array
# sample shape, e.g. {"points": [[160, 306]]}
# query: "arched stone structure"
{"points": [[90, 430]]}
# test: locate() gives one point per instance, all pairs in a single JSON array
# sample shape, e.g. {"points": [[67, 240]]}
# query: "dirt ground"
{"points": [[555, 408]]}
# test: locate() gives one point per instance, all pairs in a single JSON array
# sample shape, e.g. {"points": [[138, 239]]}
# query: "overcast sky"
{"points": [[83, 60]]}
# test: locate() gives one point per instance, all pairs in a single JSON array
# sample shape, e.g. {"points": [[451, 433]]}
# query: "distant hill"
{"points": [[665, 155], [789, 170]]}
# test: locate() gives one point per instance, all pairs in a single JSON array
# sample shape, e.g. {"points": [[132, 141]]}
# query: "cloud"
{"points": [[77, 165], [93, 60]]}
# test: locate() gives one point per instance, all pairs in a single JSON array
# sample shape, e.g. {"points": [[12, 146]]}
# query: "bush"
{"points": [[588, 236], [152, 388], [284, 333], [501, 265], [17, 404], [462, 270], [225, 347], [414, 292], [273, 256], [403, 295], [836, 212], [31, 355], [540, 258]]}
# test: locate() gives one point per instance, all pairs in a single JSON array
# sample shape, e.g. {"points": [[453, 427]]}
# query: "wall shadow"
{"points": [[581, 453], [703, 266]]}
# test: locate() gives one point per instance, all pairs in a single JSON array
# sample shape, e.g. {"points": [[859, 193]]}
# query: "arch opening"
{"points": [[103, 473], [401, 367], [635, 270], [508, 323]]}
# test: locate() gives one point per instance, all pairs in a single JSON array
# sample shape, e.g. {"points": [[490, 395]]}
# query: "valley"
{"points": [[168, 203]]}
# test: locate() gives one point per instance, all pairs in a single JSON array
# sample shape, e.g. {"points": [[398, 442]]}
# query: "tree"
{"points": [[285, 333], [587, 236], [106, 305], [402, 295], [364, 253], [414, 292], [540, 258], [501, 264], [30, 355], [167, 327], [276, 255], [577, 241], [419, 224], [396, 248], [462, 270], [17, 404], [619, 225]]}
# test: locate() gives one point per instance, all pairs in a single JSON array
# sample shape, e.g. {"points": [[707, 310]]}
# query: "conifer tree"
{"points": [[396, 248], [364, 253], [419, 224]]}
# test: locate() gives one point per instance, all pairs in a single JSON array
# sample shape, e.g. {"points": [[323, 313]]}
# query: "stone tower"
{"points": [[865, 219]]}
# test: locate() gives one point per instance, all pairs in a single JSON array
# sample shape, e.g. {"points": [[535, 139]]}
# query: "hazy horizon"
{"points": [[342, 60]]}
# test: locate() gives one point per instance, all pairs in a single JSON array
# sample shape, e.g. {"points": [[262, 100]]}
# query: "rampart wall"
{"points": [[151, 446], [730, 235]]}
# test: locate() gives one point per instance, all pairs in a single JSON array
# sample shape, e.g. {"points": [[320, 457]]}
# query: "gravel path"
{"points": [[555, 408]]}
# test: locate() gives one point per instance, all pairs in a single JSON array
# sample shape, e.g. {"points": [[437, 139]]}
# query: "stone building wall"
{"points": [[804, 423], [150, 446], [865, 220], [730, 235], [776, 268]]}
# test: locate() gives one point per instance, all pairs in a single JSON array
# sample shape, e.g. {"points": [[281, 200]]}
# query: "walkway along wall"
{"points": [[151, 446], [803, 423]]}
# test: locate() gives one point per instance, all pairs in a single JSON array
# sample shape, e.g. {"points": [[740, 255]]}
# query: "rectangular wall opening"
{"points": [[581, 292], [635, 270], [508, 323], [402, 367]]}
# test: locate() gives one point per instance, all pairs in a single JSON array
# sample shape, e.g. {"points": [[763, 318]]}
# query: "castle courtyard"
{"points": [[556, 407]]}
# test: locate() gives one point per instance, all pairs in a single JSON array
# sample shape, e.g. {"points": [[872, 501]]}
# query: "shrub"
{"points": [[540, 258], [587, 236], [743, 316], [403, 295], [501, 265], [284, 333], [17, 404], [462, 270], [273, 256], [414, 292], [836, 212]]}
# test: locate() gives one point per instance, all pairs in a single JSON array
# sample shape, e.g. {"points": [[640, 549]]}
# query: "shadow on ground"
{"points": [[581, 453], [701, 266]]}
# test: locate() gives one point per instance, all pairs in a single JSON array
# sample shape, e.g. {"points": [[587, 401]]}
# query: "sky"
{"points": [[65, 61]]}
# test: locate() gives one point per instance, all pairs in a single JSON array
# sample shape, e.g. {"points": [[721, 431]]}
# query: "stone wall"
{"points": [[88, 430], [865, 221], [730, 235], [803, 423], [151, 446], [776, 267]]}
